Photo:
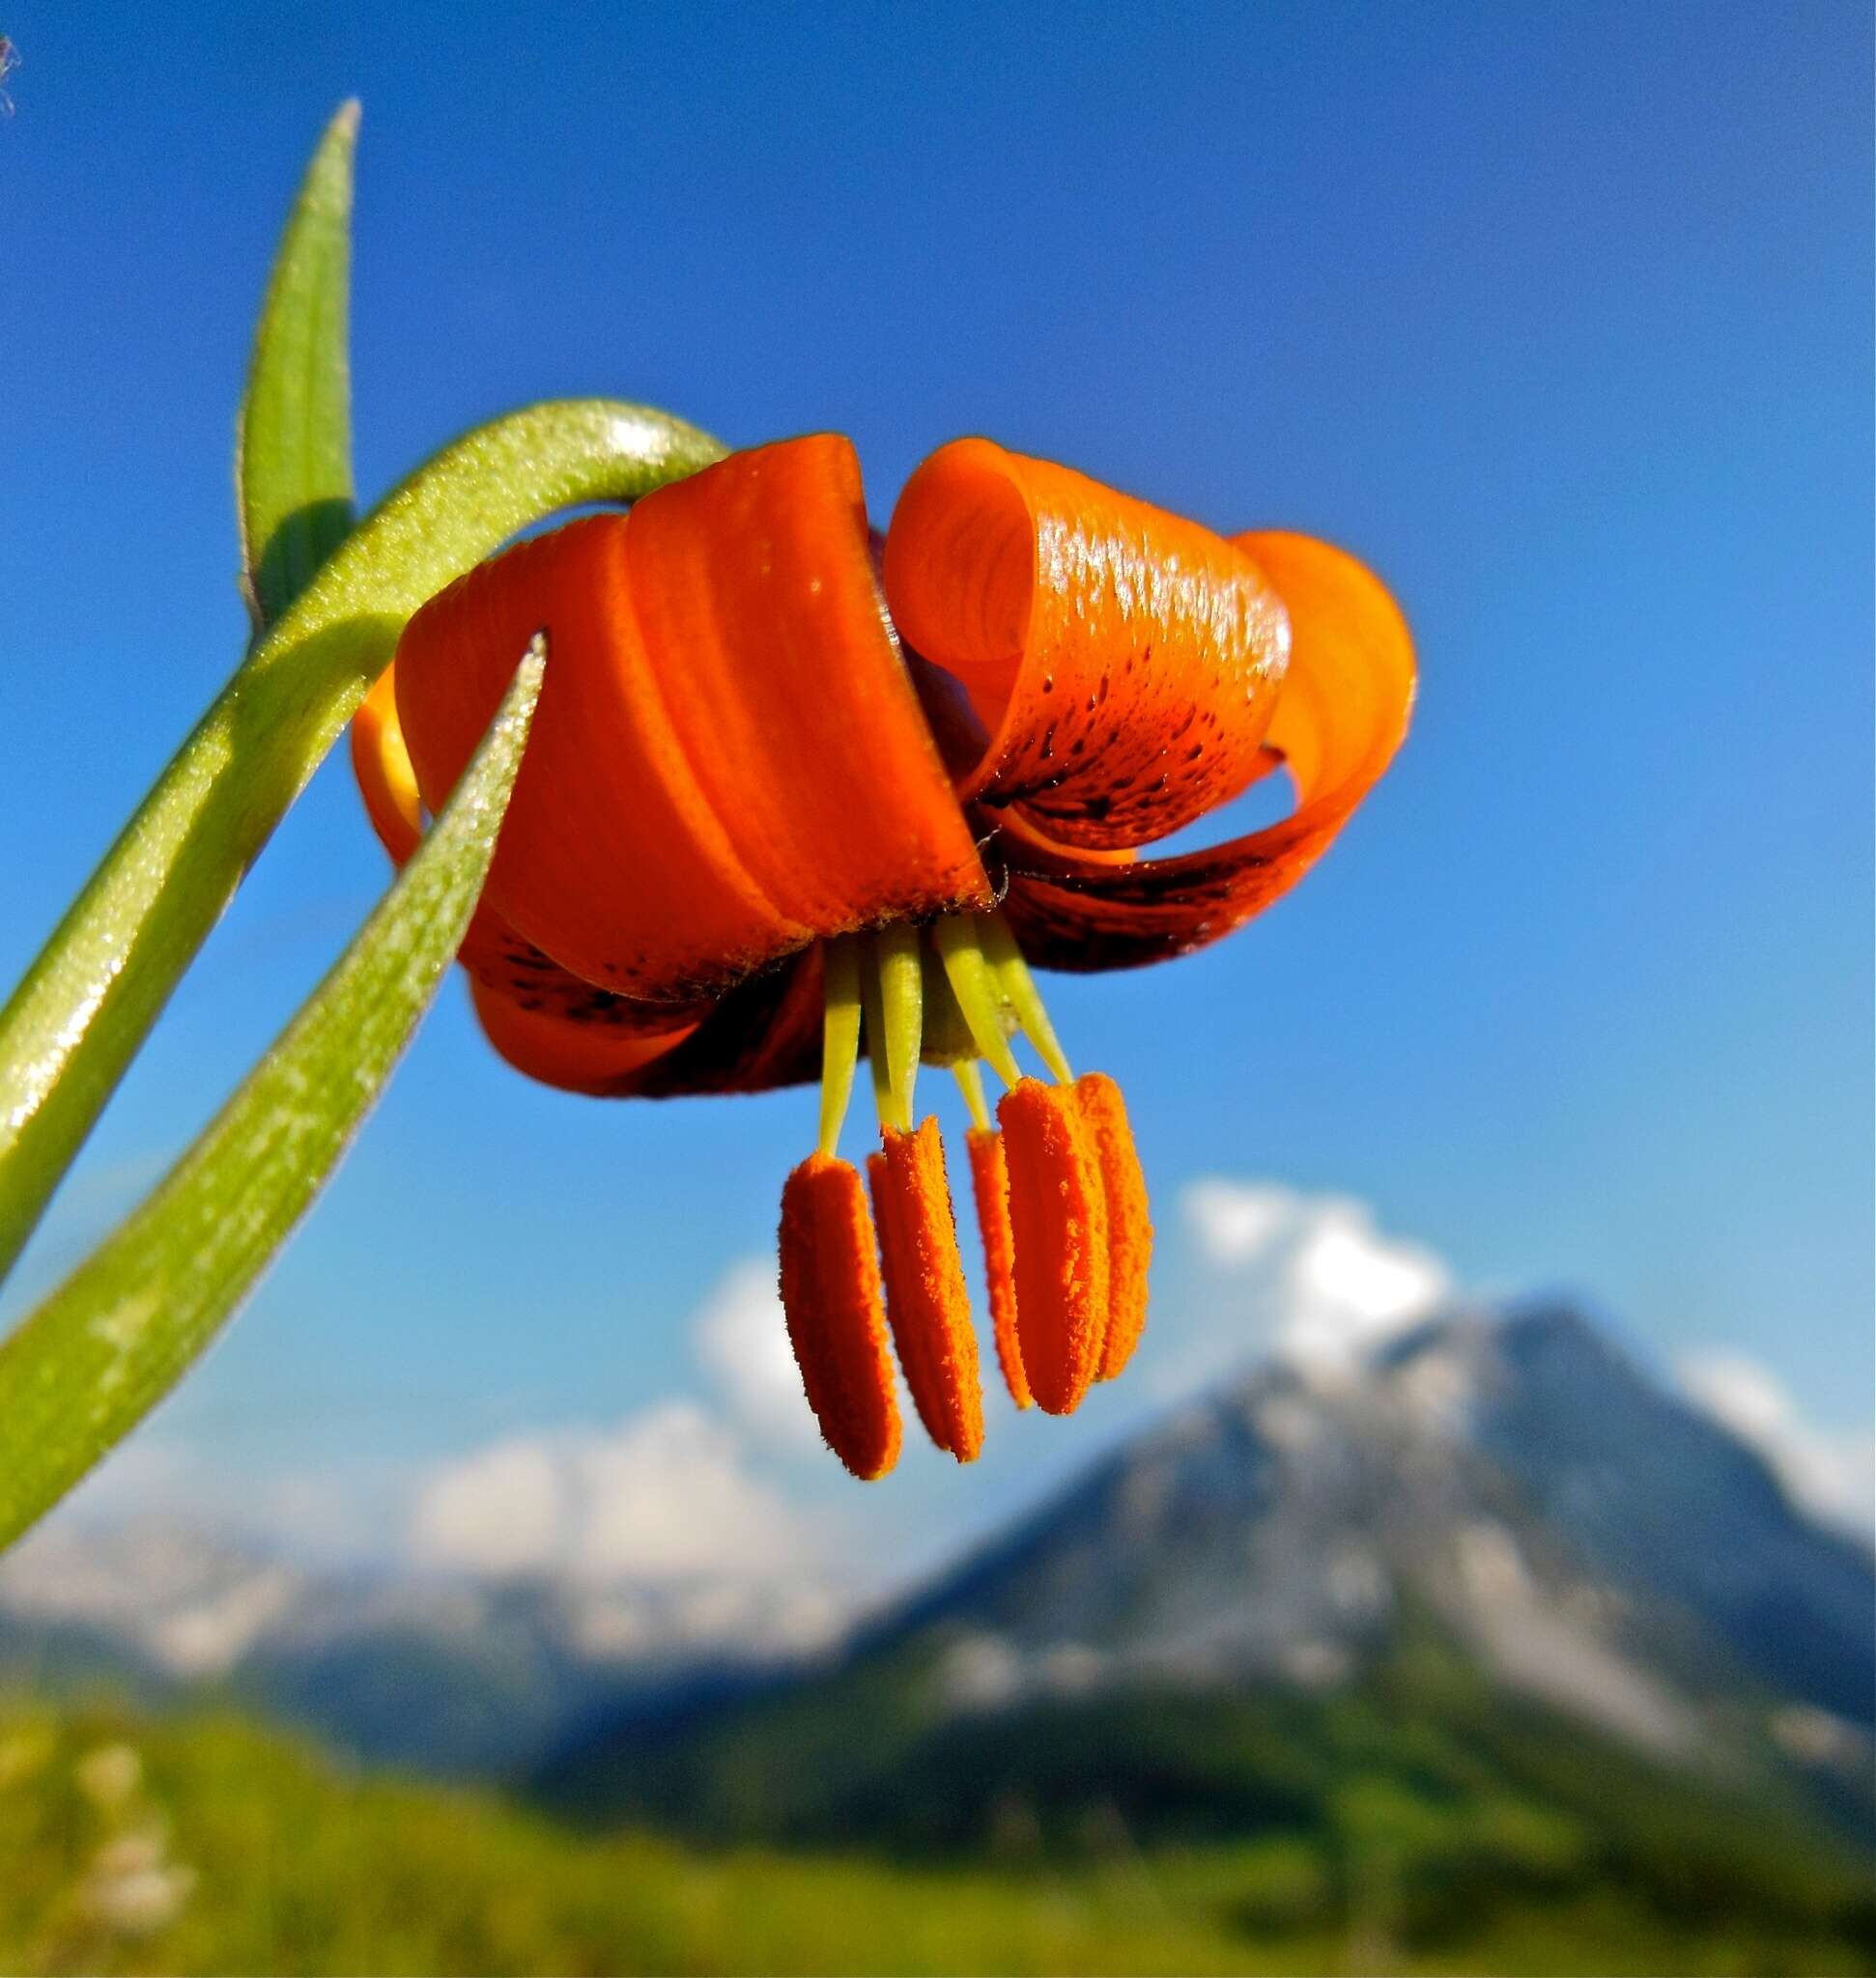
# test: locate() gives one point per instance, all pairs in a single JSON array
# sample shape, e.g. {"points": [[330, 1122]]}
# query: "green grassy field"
{"points": [[202, 1843]]}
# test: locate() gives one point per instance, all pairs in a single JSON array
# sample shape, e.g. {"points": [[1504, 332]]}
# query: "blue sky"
{"points": [[1559, 317]]}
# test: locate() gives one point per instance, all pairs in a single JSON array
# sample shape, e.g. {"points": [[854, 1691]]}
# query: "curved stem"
{"points": [[103, 1348], [85, 1005]]}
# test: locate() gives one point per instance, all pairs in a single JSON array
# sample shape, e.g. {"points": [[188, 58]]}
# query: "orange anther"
{"points": [[830, 1293], [1129, 1223], [1058, 1224], [990, 1184], [926, 1300]]}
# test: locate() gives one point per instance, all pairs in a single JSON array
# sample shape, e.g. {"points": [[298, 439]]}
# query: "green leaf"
{"points": [[92, 1361], [86, 1004], [293, 451]]}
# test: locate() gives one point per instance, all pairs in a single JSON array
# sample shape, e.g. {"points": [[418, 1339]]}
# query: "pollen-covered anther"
{"points": [[1130, 1222], [831, 1297], [1058, 1224], [927, 1304], [990, 1185]]}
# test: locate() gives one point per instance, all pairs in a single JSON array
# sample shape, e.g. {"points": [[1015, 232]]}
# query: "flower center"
{"points": [[1061, 1202]]}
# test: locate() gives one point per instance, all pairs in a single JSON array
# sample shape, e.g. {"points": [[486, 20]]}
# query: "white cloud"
{"points": [[1831, 1474], [742, 1342], [1310, 1277], [667, 1496], [508, 1508], [329, 1513]]}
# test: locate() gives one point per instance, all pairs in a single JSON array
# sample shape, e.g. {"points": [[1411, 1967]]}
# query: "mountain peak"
{"points": [[1487, 1465]]}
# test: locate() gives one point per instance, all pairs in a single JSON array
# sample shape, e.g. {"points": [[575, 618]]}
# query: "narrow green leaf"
{"points": [[98, 1354], [86, 1004], [293, 449]]}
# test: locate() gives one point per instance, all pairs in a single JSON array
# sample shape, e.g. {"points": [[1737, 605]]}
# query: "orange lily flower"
{"points": [[789, 789]]}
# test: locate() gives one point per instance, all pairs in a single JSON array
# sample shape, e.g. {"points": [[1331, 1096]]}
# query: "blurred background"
{"points": [[1474, 1569]]}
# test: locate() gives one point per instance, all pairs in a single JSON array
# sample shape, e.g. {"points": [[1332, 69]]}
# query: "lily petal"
{"points": [[754, 585], [1342, 713], [506, 967], [764, 1033], [731, 761], [1122, 662]]}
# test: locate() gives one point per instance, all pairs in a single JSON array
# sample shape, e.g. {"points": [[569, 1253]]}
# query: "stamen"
{"points": [[1058, 1222], [927, 1304], [1129, 1221], [975, 988], [970, 1081], [829, 1293], [990, 1185], [839, 1034], [1019, 991], [948, 1038], [893, 992]]}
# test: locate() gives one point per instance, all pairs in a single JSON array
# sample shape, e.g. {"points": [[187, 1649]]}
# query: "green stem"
{"points": [[95, 1356], [84, 1007]]}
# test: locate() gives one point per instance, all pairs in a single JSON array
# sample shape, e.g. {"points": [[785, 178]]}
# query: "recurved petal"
{"points": [[765, 1032], [729, 759], [1342, 713], [754, 587], [586, 1053], [539, 1015], [612, 857], [1122, 662]]}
